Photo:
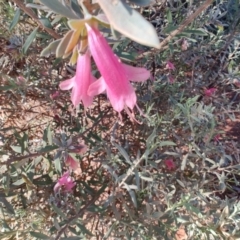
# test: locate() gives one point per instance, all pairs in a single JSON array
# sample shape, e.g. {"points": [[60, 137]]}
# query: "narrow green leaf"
{"points": [[58, 7], [130, 22], [48, 148], [29, 40], [109, 231], [199, 32], [76, 8], [47, 135], [96, 209], [58, 166], [169, 16], [8, 206], [58, 211], [6, 88], [148, 179], [45, 22], [39, 235], [142, 3], [84, 230], [71, 238], [132, 195], [123, 153], [15, 19], [167, 143], [151, 138]]}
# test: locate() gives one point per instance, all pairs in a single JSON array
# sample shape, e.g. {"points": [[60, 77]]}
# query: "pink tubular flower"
{"points": [[80, 82], [65, 182], [169, 163], [72, 163], [209, 92], [116, 76], [170, 66]]}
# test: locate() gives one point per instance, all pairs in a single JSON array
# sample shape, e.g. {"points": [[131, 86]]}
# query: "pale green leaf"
{"points": [[59, 211], [15, 20], [58, 7], [39, 235], [123, 153], [167, 143], [142, 3], [29, 40], [48, 148], [130, 23], [16, 149], [45, 22], [84, 229], [62, 46], [50, 49], [76, 8]]}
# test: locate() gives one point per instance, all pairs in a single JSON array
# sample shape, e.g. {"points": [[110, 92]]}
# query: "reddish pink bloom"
{"points": [[80, 82], [71, 162], [169, 163], [209, 92], [116, 76], [65, 183], [55, 95], [170, 66]]}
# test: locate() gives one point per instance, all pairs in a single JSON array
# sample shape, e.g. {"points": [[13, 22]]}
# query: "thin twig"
{"points": [[184, 24], [31, 13]]}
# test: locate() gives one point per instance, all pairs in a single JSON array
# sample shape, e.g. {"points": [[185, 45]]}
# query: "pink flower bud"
{"points": [[55, 95], [170, 66], [209, 92], [170, 165], [65, 183]]}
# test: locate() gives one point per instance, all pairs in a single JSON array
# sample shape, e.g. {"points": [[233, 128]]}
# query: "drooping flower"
{"points": [[80, 82], [71, 162], [170, 66], [170, 165], [65, 183], [116, 76], [209, 92]]}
